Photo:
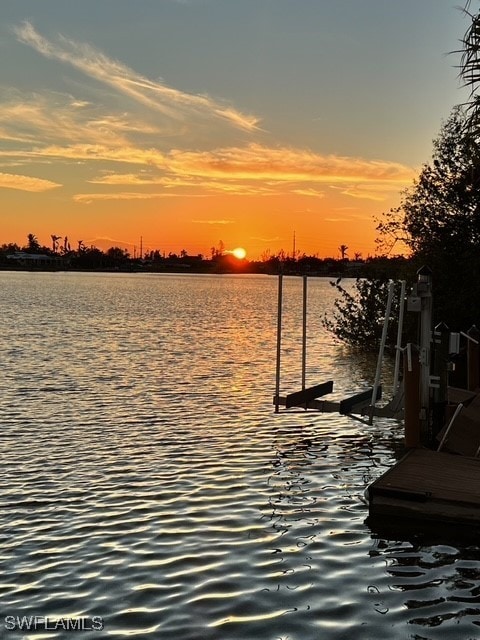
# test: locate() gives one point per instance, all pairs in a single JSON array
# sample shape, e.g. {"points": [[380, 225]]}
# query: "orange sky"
{"points": [[257, 202], [241, 142]]}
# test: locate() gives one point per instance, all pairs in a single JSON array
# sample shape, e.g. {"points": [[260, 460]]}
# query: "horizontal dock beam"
{"points": [[300, 398], [364, 397], [352, 404]]}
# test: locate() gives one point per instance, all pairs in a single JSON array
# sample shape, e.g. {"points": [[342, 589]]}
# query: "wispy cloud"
{"points": [[56, 127], [221, 222], [251, 170], [184, 182], [26, 183], [257, 162], [131, 179], [330, 219], [91, 152], [54, 118], [313, 193], [87, 198], [156, 95], [375, 191], [266, 240], [234, 168]]}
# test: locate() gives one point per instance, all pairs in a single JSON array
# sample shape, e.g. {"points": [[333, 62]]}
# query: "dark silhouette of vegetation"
{"points": [[356, 317], [439, 221], [61, 256], [343, 251], [33, 245], [470, 72]]}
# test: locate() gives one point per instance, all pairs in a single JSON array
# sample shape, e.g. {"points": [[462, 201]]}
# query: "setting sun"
{"points": [[239, 253]]}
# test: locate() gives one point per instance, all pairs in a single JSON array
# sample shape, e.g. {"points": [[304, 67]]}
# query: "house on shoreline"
{"points": [[25, 260]]}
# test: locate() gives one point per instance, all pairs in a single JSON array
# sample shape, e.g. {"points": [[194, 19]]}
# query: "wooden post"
{"points": [[473, 352], [304, 332], [411, 383]]}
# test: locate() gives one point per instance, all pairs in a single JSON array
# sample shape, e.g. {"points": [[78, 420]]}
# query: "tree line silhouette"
{"points": [[62, 256]]}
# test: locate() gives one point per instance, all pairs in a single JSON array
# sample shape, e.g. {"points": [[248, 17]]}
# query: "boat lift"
{"points": [[362, 403]]}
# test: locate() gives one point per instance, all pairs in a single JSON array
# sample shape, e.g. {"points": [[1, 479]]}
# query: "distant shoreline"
{"points": [[94, 260], [357, 273]]}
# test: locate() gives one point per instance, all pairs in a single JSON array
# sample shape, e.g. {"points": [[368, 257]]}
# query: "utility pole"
{"points": [[294, 246], [141, 247]]}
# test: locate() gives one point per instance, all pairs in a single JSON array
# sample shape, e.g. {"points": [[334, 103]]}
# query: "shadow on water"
{"points": [[437, 571], [426, 582]]}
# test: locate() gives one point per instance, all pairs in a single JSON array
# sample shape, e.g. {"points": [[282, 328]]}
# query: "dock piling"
{"points": [[304, 332]]}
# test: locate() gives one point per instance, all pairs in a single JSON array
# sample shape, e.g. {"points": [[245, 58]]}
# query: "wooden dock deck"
{"points": [[430, 486]]}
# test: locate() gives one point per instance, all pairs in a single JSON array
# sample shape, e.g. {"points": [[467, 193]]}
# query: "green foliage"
{"points": [[360, 312], [439, 221]]}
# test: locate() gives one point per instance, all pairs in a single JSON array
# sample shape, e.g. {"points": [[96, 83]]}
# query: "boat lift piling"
{"points": [[304, 332], [398, 346], [381, 351], [279, 338], [279, 341], [307, 397], [438, 479]]}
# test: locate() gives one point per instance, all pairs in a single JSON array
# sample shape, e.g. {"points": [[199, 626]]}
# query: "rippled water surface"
{"points": [[146, 480]]}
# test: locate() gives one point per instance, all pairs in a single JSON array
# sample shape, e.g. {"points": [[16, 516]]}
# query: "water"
{"points": [[146, 480]]}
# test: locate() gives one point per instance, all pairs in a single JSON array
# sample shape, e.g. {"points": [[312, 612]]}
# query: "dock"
{"points": [[438, 478], [429, 486]]}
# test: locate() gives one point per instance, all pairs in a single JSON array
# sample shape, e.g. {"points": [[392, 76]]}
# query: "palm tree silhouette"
{"points": [[55, 240], [470, 70]]}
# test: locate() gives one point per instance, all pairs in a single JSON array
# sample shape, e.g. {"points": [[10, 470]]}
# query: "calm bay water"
{"points": [[146, 480]]}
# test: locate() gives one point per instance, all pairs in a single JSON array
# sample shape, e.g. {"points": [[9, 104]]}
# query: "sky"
{"points": [[182, 124]]}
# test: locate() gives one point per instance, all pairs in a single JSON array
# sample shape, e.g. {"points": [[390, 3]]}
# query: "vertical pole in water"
{"points": [[398, 346], [304, 333], [381, 351], [279, 340]]}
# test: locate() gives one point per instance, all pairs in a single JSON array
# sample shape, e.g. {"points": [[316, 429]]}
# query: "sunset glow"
{"points": [[239, 253], [211, 123]]}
